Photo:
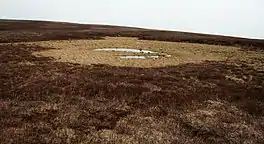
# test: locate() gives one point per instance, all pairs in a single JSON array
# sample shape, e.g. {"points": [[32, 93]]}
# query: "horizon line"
{"points": [[133, 26]]}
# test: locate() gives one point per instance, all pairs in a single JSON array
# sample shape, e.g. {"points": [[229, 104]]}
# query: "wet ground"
{"points": [[139, 57], [170, 53], [44, 101], [126, 50], [50, 93], [132, 51]]}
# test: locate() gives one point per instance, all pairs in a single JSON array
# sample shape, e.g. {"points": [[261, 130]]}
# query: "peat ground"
{"points": [[26, 30], [46, 101]]}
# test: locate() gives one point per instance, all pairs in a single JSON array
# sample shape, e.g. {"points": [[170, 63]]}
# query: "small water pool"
{"points": [[125, 50], [139, 57]]}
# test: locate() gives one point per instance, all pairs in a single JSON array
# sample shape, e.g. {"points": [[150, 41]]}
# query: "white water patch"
{"points": [[139, 57], [125, 50]]}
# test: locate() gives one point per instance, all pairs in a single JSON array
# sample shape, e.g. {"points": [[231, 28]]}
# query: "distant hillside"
{"points": [[49, 25], [27, 30]]}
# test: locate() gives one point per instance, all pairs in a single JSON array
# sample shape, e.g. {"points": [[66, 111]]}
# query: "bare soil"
{"points": [[44, 100]]}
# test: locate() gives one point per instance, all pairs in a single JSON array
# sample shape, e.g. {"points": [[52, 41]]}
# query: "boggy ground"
{"points": [[47, 101], [81, 52]]}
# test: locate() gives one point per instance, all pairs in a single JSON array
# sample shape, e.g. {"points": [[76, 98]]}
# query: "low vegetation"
{"points": [[81, 52], [53, 92], [21, 31]]}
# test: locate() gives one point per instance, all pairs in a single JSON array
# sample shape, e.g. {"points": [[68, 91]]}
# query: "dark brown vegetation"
{"points": [[44, 101], [17, 31], [50, 102]]}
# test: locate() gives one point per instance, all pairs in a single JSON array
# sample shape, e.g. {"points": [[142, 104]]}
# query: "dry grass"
{"points": [[224, 122], [80, 51], [47, 100], [51, 92]]}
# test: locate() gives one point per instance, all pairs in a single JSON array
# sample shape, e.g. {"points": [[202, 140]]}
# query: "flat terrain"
{"points": [[56, 89]]}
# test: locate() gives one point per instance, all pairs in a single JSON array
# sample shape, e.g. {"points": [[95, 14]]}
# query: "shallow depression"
{"points": [[139, 57], [83, 52], [125, 50]]}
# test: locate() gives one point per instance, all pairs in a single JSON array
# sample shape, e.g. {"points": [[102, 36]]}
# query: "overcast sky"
{"points": [[244, 18]]}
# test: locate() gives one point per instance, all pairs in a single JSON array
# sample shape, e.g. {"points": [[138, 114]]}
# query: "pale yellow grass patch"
{"points": [[81, 51], [234, 78], [28, 63]]}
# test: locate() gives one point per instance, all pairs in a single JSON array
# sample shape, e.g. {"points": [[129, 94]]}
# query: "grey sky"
{"points": [[243, 18]]}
